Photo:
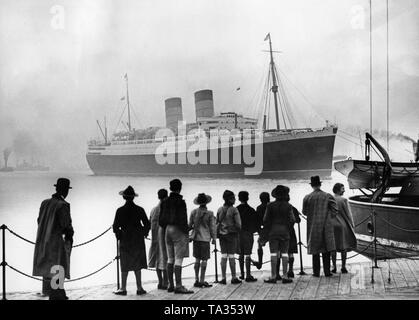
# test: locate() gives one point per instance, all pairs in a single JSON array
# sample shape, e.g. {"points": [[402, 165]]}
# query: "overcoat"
{"points": [[320, 209], [156, 257], [131, 226], [54, 237], [344, 226]]}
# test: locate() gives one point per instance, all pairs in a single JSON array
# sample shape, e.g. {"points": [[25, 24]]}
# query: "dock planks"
{"points": [[404, 284]]}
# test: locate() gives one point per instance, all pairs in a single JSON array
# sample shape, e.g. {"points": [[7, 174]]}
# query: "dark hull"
{"points": [[293, 158], [384, 252], [396, 228]]}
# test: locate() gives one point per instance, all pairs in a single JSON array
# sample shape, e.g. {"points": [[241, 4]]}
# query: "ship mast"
{"points": [[129, 111], [274, 81]]}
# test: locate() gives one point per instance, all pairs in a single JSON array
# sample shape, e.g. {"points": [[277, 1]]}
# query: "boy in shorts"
{"points": [[202, 224]]}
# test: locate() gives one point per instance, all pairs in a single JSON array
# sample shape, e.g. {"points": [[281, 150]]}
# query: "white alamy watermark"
{"points": [[358, 17], [57, 280], [58, 17], [211, 147]]}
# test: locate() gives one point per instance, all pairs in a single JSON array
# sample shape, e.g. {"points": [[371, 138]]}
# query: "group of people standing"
{"points": [[330, 229]]}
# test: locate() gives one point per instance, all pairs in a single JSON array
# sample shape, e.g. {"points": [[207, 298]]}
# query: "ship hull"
{"points": [[293, 158], [395, 226]]}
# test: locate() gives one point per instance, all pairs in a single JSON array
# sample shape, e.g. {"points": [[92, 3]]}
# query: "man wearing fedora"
{"points": [[174, 219], [320, 209], [54, 240], [202, 224]]}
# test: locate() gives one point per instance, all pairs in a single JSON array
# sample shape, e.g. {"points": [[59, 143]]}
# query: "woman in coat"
{"points": [[343, 228], [131, 226], [157, 255]]}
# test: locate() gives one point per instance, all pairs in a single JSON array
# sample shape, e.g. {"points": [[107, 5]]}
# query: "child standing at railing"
{"points": [[157, 257], [228, 226], [202, 224]]}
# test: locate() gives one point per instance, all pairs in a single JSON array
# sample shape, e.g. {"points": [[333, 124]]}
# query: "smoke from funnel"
{"points": [[6, 154]]}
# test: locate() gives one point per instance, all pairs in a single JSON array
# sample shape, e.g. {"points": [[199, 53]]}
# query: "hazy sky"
{"points": [[62, 63]]}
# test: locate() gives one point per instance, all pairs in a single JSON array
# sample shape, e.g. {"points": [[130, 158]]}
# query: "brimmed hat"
{"points": [[63, 183], [315, 181], [202, 198], [128, 192], [280, 191]]}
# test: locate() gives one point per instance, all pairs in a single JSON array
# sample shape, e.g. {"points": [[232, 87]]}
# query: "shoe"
{"points": [[344, 270], [141, 292], [286, 280], [241, 277], [121, 292], [316, 275], [170, 289], [278, 278], [183, 290], [290, 274], [235, 281], [334, 270], [58, 298], [270, 280], [197, 284], [223, 281], [161, 287], [328, 274], [42, 295], [205, 285], [251, 279], [257, 264]]}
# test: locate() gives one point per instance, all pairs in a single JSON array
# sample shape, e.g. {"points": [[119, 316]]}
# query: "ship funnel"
{"points": [[173, 108], [204, 104]]}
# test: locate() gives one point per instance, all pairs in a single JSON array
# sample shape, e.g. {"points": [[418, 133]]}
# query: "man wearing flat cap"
{"points": [[320, 208], [54, 240]]}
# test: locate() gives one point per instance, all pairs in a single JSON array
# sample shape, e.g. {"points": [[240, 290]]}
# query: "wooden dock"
{"points": [[404, 284]]}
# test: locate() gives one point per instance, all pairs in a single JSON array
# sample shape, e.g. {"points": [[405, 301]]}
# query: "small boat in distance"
{"points": [[30, 166]]}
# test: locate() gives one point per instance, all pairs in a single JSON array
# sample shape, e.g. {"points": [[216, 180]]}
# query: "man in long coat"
{"points": [[54, 240], [320, 208]]}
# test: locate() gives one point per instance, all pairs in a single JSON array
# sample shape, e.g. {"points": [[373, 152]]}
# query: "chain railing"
{"points": [[215, 251], [4, 263]]}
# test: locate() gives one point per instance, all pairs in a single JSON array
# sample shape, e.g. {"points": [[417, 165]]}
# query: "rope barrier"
{"points": [[70, 280], [93, 273], [19, 236], [74, 246], [360, 252], [93, 239], [363, 221]]}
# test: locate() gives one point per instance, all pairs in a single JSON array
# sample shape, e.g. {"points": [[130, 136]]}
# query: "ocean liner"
{"points": [[283, 152]]}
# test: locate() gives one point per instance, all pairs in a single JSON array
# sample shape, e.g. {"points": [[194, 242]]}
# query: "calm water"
{"points": [[93, 203]]}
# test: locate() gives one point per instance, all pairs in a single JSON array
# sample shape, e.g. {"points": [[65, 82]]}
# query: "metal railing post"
{"points": [[3, 263], [216, 261], [301, 273], [117, 264], [374, 215]]}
